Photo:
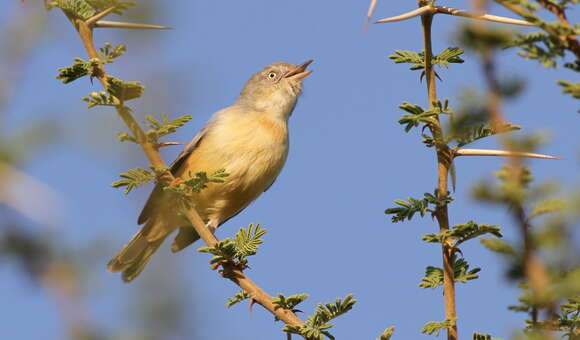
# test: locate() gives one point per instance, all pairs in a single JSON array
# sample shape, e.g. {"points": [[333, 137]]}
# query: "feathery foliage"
{"points": [[124, 91], [463, 232], [450, 55], [165, 126], [79, 69], [100, 98], [134, 178], [245, 243], [317, 325], [480, 336], [239, 297], [572, 89], [435, 327], [434, 276], [408, 209], [387, 334], [84, 9], [108, 54]]}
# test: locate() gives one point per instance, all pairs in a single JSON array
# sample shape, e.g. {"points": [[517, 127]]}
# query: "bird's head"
{"points": [[275, 88]]}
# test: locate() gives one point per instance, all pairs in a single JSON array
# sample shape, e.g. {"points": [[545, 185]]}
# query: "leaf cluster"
{"points": [[134, 178], [236, 250], [124, 90], [317, 325], [481, 336], [108, 54], [164, 127], [185, 187], [434, 275], [407, 209], [572, 89], [78, 69], [417, 115], [239, 297], [84, 9], [288, 302], [387, 334], [435, 327], [463, 232], [450, 55]]}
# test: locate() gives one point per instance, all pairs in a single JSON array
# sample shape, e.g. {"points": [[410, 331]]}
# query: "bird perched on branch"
{"points": [[248, 139]]}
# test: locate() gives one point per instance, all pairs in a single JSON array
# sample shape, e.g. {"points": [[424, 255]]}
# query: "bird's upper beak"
{"points": [[299, 73]]}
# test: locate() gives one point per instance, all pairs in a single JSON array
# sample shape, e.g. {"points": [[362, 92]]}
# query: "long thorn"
{"points": [[370, 12], [414, 13], [92, 20], [114, 24], [486, 17], [501, 153]]}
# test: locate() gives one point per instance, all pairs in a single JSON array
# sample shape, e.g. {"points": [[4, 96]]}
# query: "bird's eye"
{"points": [[272, 75]]}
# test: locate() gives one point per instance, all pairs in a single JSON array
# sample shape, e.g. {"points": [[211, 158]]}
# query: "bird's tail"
{"points": [[133, 257]]}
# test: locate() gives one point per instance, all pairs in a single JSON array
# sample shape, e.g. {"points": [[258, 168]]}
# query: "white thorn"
{"points": [[501, 153], [114, 24], [414, 13], [486, 17]]}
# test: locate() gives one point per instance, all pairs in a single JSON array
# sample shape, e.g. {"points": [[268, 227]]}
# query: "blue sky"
{"points": [[349, 159]]}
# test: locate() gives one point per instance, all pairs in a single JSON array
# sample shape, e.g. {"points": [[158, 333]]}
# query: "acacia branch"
{"points": [[535, 271], [443, 165], [151, 150]]}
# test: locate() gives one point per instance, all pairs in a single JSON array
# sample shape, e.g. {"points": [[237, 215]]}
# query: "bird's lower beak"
{"points": [[299, 73]]}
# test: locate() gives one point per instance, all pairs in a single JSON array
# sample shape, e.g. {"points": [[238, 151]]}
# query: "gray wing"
{"points": [[157, 192]]}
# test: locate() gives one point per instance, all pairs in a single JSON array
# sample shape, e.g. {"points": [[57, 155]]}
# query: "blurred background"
{"points": [[61, 221]]}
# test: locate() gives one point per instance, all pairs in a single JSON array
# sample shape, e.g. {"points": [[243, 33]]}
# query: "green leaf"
{"points": [[165, 127], [417, 59], [125, 137], [449, 56], [434, 328], [120, 6], [288, 302], [407, 209], [124, 91], [479, 336], [108, 54], [434, 275], [317, 325], [79, 69], [498, 246], [196, 183], [244, 244], [386, 335], [471, 134], [99, 99], [571, 88], [134, 178], [248, 240], [239, 297], [222, 251], [78, 9], [546, 206], [463, 232]]}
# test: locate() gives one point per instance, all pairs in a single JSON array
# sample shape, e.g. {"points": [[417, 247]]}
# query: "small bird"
{"points": [[248, 139]]}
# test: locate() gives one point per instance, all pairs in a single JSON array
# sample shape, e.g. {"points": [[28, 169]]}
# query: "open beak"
{"points": [[299, 73]]}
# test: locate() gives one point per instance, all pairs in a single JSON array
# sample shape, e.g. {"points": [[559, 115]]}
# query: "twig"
{"points": [[443, 166], [152, 152], [501, 153]]}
